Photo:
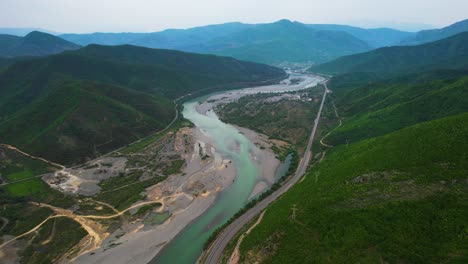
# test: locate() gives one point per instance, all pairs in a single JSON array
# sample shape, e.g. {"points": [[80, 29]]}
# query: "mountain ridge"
{"points": [[90, 101], [33, 44], [449, 53], [307, 43], [431, 35]]}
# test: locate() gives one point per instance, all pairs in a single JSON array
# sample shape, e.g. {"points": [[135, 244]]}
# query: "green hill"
{"points": [[426, 36], [182, 70], [450, 53], [385, 106], [393, 189], [33, 44], [180, 39], [22, 31], [76, 120], [76, 105], [401, 197]]}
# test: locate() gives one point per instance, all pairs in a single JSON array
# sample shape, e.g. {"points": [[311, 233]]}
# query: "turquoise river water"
{"points": [[188, 244]]}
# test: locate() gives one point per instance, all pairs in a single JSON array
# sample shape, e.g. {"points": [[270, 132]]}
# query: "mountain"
{"points": [[267, 43], [396, 198], [196, 38], [33, 44], [285, 41], [24, 31], [450, 53], [190, 39], [426, 36], [384, 106], [392, 189], [86, 102], [181, 39], [375, 37], [391, 185], [167, 72], [108, 39]]}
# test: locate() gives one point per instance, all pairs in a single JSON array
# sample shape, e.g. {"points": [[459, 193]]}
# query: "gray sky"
{"points": [[155, 15]]}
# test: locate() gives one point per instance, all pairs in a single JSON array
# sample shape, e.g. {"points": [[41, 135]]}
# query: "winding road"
{"points": [[214, 253]]}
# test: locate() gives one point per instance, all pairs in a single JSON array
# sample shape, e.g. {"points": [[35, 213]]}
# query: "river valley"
{"points": [[236, 146], [226, 166]]}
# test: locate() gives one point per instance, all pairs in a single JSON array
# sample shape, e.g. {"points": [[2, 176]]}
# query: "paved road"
{"points": [[213, 256]]}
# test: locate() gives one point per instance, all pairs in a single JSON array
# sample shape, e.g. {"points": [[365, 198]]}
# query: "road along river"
{"points": [[187, 246]]}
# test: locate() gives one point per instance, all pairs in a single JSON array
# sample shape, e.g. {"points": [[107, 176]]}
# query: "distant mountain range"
{"points": [[95, 99], [21, 32], [33, 44], [282, 41], [374, 37], [199, 37], [272, 43], [285, 41], [426, 36], [449, 53], [267, 43]]}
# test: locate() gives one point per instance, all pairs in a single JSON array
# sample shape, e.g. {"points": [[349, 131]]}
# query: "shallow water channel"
{"points": [[188, 245]]}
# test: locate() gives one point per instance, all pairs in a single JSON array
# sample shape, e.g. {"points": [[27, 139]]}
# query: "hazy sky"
{"points": [[155, 15]]}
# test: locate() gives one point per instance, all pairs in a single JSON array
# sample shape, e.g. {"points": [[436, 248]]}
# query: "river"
{"points": [[188, 245]]}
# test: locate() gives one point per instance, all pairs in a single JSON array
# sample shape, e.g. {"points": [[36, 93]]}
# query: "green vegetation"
{"points": [[449, 53], [78, 118], [119, 181], [16, 167], [22, 217], [385, 106], [288, 119], [87, 102], [174, 167], [123, 191], [20, 175], [50, 243], [145, 142], [398, 197], [34, 44], [157, 218], [77, 105], [167, 72], [27, 188], [393, 189], [146, 208], [282, 152], [141, 144], [292, 169]]}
